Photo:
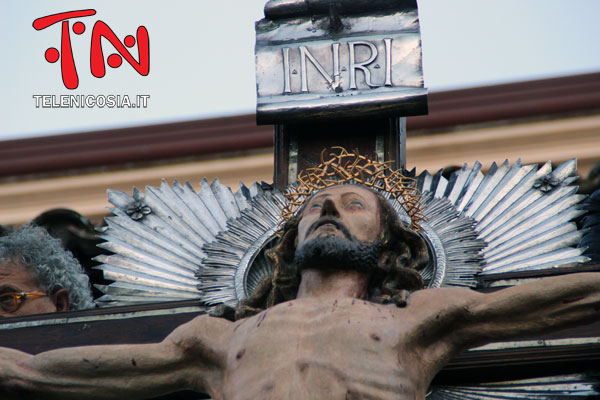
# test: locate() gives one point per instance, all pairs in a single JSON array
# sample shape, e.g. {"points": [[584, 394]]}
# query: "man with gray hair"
{"points": [[38, 276]]}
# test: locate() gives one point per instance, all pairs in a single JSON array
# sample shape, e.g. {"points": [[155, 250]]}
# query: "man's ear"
{"points": [[61, 300]]}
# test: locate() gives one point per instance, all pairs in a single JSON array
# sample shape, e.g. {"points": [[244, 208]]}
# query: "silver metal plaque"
{"points": [[330, 65]]}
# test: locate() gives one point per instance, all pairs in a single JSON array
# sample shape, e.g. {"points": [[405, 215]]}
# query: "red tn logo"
{"points": [[99, 31]]}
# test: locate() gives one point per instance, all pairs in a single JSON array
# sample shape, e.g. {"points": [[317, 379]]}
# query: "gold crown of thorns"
{"points": [[347, 167]]}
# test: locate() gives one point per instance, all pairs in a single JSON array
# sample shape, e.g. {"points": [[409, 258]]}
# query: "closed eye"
{"points": [[355, 204], [315, 206]]}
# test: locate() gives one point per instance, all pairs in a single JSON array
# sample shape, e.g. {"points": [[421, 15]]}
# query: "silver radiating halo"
{"points": [[184, 244]]}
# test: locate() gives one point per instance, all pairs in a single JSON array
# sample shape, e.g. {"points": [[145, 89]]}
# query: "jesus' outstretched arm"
{"points": [[545, 305], [461, 318], [190, 357]]}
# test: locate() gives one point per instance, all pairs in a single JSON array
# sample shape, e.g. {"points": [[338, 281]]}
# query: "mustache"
{"points": [[333, 221]]}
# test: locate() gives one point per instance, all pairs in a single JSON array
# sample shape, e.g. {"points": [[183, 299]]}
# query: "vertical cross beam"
{"points": [[299, 146]]}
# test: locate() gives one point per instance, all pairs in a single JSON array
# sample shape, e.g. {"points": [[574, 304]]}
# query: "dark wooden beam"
{"points": [[372, 137], [566, 351]]}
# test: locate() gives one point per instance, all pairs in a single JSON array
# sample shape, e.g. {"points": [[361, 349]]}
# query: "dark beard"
{"points": [[335, 253]]}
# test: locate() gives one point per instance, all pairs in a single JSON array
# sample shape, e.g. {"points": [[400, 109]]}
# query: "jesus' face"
{"points": [[345, 211], [339, 230]]}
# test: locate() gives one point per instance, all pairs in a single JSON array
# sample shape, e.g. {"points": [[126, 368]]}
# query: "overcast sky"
{"points": [[202, 55]]}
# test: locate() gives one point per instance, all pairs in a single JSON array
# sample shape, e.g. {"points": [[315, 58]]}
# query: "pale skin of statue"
{"points": [[326, 344]]}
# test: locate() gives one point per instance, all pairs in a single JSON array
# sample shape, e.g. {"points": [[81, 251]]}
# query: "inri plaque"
{"points": [[324, 59]]}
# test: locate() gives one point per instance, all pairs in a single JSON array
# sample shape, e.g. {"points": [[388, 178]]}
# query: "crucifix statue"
{"points": [[351, 278], [345, 315]]}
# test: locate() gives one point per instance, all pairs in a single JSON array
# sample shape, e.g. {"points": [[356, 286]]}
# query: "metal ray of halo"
{"points": [[577, 386]]}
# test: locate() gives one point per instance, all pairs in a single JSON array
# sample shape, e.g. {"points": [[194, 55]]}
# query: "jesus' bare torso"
{"points": [[332, 348]]}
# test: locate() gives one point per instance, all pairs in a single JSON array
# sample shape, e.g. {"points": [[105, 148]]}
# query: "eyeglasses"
{"points": [[11, 302]]}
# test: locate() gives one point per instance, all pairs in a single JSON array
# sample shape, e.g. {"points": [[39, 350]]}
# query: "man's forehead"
{"points": [[344, 189], [347, 189], [7, 266], [14, 272]]}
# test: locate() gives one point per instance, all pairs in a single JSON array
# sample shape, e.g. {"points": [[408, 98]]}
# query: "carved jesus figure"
{"points": [[349, 330]]}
